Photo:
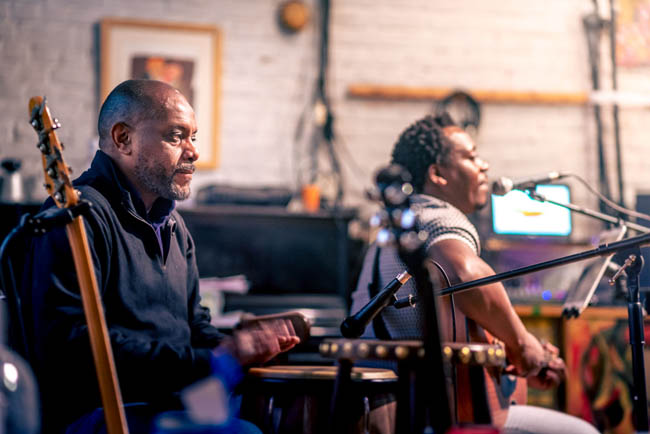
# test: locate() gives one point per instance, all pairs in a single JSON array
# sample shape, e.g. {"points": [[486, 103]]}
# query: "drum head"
{"points": [[288, 372]]}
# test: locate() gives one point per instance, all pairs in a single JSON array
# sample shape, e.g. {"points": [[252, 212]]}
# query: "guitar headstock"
{"points": [[57, 173], [397, 220]]}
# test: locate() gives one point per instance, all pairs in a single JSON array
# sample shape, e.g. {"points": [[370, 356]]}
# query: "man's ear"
{"points": [[435, 176], [121, 137]]}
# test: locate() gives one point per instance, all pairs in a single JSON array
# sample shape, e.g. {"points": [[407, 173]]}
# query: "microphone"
{"points": [[504, 185], [356, 324]]}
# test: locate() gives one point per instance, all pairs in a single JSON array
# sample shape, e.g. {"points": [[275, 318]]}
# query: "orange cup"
{"points": [[311, 197]]}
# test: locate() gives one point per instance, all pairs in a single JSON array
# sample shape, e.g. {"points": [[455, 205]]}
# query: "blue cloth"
{"points": [[226, 367], [179, 423], [145, 418], [142, 420], [229, 371]]}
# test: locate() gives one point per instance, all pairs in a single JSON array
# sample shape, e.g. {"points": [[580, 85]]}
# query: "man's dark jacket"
{"points": [[160, 335]]}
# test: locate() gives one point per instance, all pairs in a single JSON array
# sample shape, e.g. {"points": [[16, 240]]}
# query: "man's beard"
{"points": [[155, 178]]}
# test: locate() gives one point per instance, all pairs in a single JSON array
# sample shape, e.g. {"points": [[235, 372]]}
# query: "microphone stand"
{"points": [[589, 213], [633, 265], [38, 224], [573, 308], [602, 250], [424, 405], [635, 311]]}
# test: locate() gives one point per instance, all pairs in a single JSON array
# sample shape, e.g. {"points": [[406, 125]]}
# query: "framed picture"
{"points": [[632, 33], [187, 56]]}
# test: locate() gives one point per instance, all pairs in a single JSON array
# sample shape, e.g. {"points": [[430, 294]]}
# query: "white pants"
{"points": [[526, 419]]}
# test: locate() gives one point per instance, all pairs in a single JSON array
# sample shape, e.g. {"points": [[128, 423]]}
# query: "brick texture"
{"points": [[50, 47]]}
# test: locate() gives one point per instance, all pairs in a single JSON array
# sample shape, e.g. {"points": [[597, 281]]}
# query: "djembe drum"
{"points": [[297, 399]]}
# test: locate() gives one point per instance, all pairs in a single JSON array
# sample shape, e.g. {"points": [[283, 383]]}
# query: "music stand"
{"points": [[579, 298]]}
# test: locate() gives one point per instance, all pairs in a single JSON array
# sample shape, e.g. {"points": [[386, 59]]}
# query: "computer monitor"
{"points": [[517, 214], [279, 252]]}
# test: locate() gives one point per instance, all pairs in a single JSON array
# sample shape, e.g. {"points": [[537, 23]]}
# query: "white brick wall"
{"points": [[50, 47]]}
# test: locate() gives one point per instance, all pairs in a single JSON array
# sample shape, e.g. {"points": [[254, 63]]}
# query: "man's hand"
{"points": [[554, 372], [528, 358], [262, 342], [283, 330]]}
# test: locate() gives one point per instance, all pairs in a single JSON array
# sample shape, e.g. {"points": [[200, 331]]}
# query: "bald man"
{"points": [[145, 264]]}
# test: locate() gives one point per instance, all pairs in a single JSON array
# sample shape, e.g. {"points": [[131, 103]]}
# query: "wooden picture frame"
{"points": [[188, 56]]}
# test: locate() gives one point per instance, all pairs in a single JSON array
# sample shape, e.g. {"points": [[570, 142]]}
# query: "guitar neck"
{"points": [[97, 329], [58, 185]]}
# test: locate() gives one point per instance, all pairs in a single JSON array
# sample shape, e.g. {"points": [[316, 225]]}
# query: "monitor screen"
{"points": [[517, 214]]}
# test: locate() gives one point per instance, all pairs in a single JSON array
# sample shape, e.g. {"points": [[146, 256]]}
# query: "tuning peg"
{"points": [[378, 219], [385, 237], [396, 217], [62, 145], [56, 124], [403, 218], [408, 241], [407, 220], [373, 194], [412, 240], [394, 195]]}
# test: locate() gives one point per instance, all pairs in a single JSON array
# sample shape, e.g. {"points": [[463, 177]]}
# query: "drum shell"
{"points": [[301, 404]]}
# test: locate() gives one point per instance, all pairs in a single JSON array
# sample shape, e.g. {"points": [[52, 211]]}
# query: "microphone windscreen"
{"points": [[502, 186]]}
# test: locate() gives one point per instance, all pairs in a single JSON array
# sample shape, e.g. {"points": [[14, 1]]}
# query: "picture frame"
{"points": [[187, 56]]}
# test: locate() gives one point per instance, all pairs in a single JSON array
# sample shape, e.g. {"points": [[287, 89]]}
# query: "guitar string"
{"points": [[453, 336]]}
